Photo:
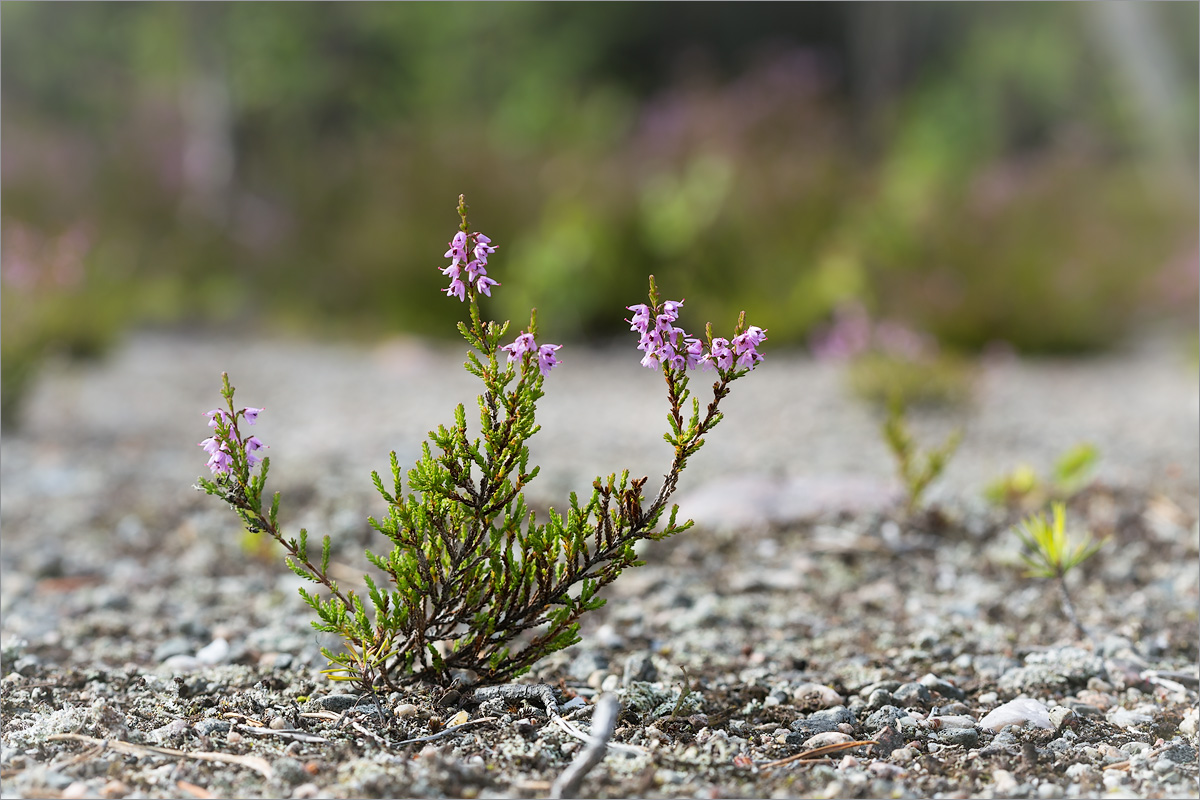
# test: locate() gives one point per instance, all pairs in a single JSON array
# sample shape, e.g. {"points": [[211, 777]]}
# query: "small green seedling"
{"points": [[1052, 553], [917, 469], [1022, 487]]}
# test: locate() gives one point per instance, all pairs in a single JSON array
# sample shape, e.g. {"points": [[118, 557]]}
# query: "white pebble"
{"points": [[1020, 712], [826, 738], [215, 652], [814, 695], [1003, 782]]}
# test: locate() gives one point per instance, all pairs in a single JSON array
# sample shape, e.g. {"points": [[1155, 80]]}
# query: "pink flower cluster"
{"points": [[220, 445], [664, 343], [525, 344], [462, 247]]}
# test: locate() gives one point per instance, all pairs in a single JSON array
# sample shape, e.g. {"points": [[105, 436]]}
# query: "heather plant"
{"points": [[1051, 553], [886, 358], [917, 468], [474, 581]]}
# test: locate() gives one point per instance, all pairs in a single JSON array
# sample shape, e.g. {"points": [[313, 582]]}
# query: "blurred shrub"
{"points": [[250, 164]]}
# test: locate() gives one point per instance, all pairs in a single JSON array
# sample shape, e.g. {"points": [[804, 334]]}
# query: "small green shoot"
{"points": [[1023, 487], [917, 469], [1052, 553]]}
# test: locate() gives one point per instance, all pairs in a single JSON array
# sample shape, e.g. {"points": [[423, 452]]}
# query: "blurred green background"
{"points": [[1018, 173]]}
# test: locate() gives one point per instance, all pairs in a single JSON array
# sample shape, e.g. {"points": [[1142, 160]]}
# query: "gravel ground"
{"points": [[803, 611]]}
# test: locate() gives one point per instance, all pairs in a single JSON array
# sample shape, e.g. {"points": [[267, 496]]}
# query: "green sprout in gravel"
{"points": [[1052, 554], [474, 582], [1024, 488], [917, 468]]}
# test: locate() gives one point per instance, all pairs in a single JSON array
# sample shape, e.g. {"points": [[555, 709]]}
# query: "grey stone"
{"points": [[887, 715], [586, 663], [334, 702], [942, 686], [964, 737], [639, 667], [289, 770], [206, 726], [881, 698], [819, 722], [913, 694], [1180, 753]]}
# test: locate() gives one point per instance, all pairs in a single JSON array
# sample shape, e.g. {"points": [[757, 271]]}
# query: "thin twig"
{"points": [[828, 749], [1069, 608], [255, 763], [604, 720], [299, 736], [446, 732]]}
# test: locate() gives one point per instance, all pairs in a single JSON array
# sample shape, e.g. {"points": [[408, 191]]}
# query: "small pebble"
{"points": [[903, 755], [289, 770], [1023, 711], [216, 652], [884, 770], [115, 789], [404, 710], [826, 738], [1003, 782], [814, 697], [881, 698], [913, 694], [278, 724], [335, 702], [1061, 716], [967, 738], [942, 686], [76, 790]]}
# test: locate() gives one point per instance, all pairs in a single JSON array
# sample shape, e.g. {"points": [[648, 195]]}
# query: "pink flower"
{"points": [[253, 445], [485, 284], [219, 461], [523, 344], [461, 247], [475, 269], [546, 358], [251, 415], [457, 289], [214, 415], [641, 318], [719, 353], [483, 247], [695, 352], [458, 248]]}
